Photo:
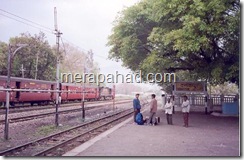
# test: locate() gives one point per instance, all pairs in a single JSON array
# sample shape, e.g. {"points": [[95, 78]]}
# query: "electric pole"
{"points": [[8, 86], [23, 70], [37, 57], [58, 34]]}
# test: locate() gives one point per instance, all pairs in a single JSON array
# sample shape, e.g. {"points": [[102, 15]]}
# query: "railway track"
{"points": [[58, 143], [37, 116], [35, 108]]}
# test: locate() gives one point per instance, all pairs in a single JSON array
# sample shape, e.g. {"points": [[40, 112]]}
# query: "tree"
{"points": [[73, 61], [38, 59], [195, 36], [3, 58], [224, 89]]}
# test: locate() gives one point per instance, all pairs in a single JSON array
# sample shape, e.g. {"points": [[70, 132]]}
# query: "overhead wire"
{"points": [[42, 28], [37, 24], [83, 49], [47, 31]]}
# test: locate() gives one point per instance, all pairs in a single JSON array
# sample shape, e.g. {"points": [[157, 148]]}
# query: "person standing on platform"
{"points": [[136, 106], [185, 110], [168, 111], [153, 109], [173, 104]]}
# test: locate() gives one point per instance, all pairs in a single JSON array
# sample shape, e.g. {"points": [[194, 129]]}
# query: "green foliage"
{"points": [[46, 130], [40, 54], [129, 38], [3, 58], [38, 48], [224, 89], [196, 36]]}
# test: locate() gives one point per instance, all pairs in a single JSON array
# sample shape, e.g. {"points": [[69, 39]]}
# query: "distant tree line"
{"points": [[38, 59]]}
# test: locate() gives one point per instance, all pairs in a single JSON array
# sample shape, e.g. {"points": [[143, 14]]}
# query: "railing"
{"points": [[199, 100], [219, 100]]}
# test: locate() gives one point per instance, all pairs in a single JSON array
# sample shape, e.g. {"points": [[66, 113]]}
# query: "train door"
{"points": [[52, 93], [67, 93], [60, 93], [17, 95]]}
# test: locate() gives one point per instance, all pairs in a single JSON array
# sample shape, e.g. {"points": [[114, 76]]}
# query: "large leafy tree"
{"points": [[38, 60], [197, 38]]}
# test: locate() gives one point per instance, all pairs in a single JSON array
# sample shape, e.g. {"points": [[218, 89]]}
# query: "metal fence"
{"points": [[200, 100]]}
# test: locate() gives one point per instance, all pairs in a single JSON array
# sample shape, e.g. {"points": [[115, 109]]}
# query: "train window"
{"points": [[52, 88]]}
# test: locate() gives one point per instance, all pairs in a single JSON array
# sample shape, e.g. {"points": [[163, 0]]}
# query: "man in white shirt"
{"points": [[168, 111], [185, 110]]}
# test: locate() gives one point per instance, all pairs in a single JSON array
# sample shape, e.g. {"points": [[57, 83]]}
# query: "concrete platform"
{"points": [[207, 135]]}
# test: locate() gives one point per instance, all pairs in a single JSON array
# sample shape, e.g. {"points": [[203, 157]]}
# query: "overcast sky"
{"points": [[85, 23]]}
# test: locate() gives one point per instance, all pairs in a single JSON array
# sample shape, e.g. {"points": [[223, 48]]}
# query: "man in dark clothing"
{"points": [[136, 106]]}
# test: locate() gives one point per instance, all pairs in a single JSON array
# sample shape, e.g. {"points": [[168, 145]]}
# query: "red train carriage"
{"points": [[3, 85], [74, 92], [92, 93], [27, 97], [70, 92], [36, 97], [64, 92]]}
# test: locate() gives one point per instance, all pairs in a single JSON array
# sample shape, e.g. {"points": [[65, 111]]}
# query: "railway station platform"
{"points": [[207, 135]]}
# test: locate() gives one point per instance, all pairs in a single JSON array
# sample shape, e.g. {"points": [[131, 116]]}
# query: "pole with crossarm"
{"points": [[10, 57]]}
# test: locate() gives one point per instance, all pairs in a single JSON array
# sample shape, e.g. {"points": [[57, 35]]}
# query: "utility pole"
{"points": [[10, 58], [37, 57], [83, 93], [86, 69], [6, 129], [84, 88], [23, 70], [57, 33], [113, 96]]}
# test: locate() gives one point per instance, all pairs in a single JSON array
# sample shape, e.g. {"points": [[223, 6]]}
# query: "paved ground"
{"points": [[206, 136]]}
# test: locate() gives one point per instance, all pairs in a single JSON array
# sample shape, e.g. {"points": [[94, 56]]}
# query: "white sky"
{"points": [[85, 23]]}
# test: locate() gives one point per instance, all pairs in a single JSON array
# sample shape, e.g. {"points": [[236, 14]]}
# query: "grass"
{"points": [[49, 129], [45, 130]]}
